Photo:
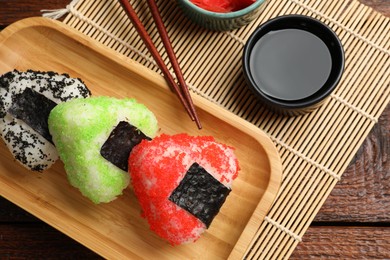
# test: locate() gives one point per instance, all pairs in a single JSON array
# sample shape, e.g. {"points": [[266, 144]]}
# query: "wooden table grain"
{"points": [[354, 222]]}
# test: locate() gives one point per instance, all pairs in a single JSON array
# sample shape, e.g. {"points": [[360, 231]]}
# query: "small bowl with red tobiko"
{"points": [[223, 6], [221, 15]]}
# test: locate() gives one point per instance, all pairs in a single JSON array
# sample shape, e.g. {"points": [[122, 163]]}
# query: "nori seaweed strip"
{"points": [[200, 194], [119, 144], [34, 109]]}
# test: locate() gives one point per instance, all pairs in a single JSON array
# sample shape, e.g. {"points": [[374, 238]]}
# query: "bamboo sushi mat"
{"points": [[315, 148]]}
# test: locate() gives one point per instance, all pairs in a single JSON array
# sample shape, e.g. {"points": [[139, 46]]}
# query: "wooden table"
{"points": [[353, 223]]}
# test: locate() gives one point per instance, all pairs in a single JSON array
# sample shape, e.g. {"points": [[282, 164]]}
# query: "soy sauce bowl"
{"points": [[293, 63]]}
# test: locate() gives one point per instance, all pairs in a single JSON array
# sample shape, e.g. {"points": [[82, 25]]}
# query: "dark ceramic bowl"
{"points": [[293, 63]]}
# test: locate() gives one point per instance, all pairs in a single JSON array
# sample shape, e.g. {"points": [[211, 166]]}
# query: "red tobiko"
{"points": [[223, 6]]}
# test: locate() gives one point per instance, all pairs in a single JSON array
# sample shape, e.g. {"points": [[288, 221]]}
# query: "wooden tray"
{"points": [[116, 230]]}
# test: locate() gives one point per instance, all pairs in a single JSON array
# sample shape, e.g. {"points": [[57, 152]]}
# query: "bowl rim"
{"points": [[299, 103], [228, 15]]}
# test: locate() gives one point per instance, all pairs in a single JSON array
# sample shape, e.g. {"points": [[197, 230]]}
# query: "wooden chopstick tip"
{"points": [[180, 89]]}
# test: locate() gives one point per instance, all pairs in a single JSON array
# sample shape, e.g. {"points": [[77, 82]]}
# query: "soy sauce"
{"points": [[290, 64]]}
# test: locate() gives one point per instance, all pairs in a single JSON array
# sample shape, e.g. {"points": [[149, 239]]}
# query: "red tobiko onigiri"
{"points": [[181, 182]]}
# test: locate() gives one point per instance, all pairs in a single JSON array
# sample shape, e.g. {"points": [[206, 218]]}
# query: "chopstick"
{"points": [[182, 92]]}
